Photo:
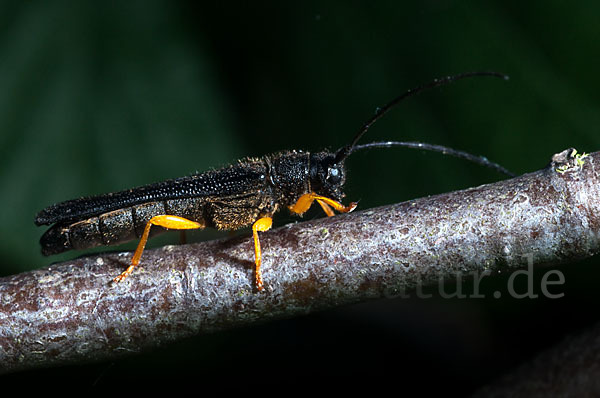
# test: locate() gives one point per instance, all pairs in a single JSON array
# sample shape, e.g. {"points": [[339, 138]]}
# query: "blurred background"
{"points": [[103, 96]]}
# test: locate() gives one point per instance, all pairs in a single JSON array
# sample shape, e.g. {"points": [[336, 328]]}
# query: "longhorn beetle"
{"points": [[246, 193]]}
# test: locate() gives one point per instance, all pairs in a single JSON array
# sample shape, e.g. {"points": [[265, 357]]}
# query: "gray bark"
{"points": [[72, 312]]}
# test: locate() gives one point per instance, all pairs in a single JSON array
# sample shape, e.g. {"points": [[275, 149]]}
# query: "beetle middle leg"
{"points": [[166, 221], [261, 225]]}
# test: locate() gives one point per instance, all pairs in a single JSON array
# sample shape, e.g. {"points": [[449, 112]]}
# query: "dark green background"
{"points": [[98, 97]]}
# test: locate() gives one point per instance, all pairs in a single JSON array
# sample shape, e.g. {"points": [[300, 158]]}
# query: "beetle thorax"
{"points": [[289, 175]]}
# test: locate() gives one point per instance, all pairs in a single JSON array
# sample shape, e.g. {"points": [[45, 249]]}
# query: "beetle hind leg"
{"points": [[165, 221]]}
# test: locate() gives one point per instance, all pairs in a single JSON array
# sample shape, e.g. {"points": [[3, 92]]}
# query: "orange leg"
{"points": [[326, 208], [261, 225], [166, 221], [305, 201]]}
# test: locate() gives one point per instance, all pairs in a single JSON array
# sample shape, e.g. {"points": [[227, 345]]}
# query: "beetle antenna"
{"points": [[482, 160], [343, 152]]}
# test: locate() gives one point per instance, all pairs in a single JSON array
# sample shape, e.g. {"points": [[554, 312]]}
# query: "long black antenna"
{"points": [[343, 152], [482, 160]]}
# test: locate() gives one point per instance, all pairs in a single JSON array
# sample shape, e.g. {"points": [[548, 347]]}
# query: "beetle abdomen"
{"points": [[118, 226]]}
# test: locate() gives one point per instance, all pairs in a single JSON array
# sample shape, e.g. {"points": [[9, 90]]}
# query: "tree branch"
{"points": [[569, 369], [72, 312]]}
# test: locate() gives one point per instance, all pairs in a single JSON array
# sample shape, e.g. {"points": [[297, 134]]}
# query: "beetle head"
{"points": [[327, 177]]}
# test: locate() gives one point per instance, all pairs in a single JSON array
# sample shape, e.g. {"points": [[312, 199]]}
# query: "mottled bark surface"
{"points": [[72, 312]]}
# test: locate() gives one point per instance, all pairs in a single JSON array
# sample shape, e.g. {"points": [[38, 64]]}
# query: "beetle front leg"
{"points": [[305, 201]]}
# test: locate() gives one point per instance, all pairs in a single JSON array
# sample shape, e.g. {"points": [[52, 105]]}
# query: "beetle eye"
{"points": [[334, 175]]}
